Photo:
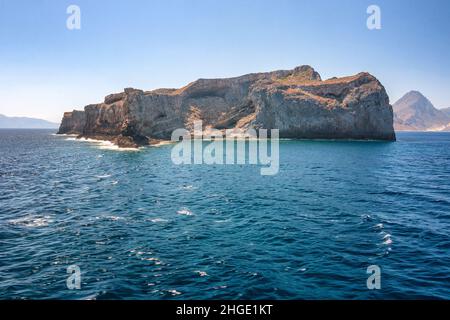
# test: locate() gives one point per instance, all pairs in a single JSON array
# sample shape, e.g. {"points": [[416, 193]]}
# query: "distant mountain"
{"points": [[414, 112], [446, 111], [25, 123]]}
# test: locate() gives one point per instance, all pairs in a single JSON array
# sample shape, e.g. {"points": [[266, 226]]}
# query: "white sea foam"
{"points": [[32, 221], [104, 176], [222, 221], [151, 259], [188, 187], [108, 145], [111, 217], [102, 144], [64, 135], [219, 287], [115, 218], [174, 292], [201, 273], [185, 212], [156, 220], [155, 260], [162, 143]]}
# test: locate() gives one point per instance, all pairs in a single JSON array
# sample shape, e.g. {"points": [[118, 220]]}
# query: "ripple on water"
{"points": [[110, 217], [310, 231]]}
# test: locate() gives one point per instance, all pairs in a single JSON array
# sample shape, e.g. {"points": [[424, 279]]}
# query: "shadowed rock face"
{"points": [[297, 102]]}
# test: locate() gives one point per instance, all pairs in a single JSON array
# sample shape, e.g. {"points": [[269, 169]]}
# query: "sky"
{"points": [[46, 69]]}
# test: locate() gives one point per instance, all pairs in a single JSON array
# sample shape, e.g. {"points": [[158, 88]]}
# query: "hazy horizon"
{"points": [[48, 69]]}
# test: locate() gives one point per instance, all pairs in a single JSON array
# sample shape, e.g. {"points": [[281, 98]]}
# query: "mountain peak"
{"points": [[413, 99], [414, 111], [415, 93]]}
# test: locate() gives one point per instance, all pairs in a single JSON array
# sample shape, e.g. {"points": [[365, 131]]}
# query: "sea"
{"points": [[340, 220]]}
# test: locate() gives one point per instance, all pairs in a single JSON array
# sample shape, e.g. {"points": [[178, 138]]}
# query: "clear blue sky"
{"points": [[46, 69]]}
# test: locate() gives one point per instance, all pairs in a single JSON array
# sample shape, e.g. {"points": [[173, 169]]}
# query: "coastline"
{"points": [[108, 143]]}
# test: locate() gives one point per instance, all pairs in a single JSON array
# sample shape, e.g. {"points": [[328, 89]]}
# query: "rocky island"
{"points": [[297, 102]]}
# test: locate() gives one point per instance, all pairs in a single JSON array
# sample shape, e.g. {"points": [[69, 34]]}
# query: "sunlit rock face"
{"points": [[72, 122], [297, 102]]}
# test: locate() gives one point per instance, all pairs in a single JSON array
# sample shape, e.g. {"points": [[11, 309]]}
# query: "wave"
{"points": [[185, 212], [103, 144], [162, 143], [104, 176], [174, 292], [110, 217], [156, 220], [378, 226], [64, 135], [32, 221], [222, 221], [188, 187]]}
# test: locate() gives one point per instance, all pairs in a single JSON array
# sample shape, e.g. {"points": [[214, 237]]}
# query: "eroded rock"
{"points": [[297, 102]]}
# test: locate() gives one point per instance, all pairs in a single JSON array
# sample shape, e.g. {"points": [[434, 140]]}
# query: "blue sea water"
{"points": [[140, 227]]}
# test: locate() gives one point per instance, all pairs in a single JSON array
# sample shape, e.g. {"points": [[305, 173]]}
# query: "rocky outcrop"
{"points": [[414, 112], [297, 102], [72, 122]]}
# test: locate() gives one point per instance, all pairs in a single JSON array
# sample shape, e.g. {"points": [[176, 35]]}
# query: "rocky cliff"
{"points": [[72, 122], [297, 102]]}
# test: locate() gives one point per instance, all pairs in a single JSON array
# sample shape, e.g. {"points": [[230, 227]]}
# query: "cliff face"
{"points": [[297, 102], [72, 122]]}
